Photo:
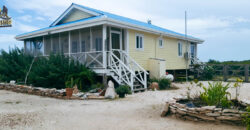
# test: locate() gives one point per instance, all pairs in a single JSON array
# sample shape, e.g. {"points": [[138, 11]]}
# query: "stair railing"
{"points": [[140, 73], [121, 70]]}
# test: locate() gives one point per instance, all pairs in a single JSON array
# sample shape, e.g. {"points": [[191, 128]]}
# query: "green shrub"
{"points": [[14, 65], [154, 80], [123, 90], [246, 118], [208, 72], [216, 94], [164, 84], [48, 72]]}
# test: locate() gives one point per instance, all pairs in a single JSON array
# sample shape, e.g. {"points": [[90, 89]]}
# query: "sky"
{"points": [[223, 24]]}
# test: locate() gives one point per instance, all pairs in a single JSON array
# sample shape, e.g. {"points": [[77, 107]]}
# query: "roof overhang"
{"points": [[99, 21]]}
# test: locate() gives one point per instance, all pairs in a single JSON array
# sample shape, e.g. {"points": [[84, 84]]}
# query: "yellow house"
{"points": [[113, 46]]}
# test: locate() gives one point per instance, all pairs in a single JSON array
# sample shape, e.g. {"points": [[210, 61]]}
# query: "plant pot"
{"points": [[69, 92], [122, 95]]}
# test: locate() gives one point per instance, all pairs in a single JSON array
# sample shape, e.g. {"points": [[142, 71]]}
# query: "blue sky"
{"points": [[223, 24]]}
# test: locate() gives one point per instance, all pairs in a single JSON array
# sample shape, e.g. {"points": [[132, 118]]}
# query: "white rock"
{"points": [[12, 82], [110, 92]]}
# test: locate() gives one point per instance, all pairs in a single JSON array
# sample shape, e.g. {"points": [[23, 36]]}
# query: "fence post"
{"points": [[225, 72], [246, 72]]}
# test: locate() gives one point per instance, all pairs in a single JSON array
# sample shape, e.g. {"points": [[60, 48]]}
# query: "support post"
{"points": [[145, 80], [104, 80], [44, 46], [25, 49], [60, 46], [80, 41], [225, 69], [51, 44], [104, 54], [69, 44], [246, 73], [91, 40]]}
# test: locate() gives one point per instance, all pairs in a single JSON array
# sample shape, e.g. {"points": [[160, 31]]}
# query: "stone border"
{"points": [[45, 92], [206, 113]]}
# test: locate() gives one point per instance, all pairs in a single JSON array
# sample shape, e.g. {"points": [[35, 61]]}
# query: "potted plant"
{"points": [[69, 88], [123, 90]]}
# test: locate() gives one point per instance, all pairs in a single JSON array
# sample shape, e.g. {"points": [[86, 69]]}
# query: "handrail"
{"points": [[133, 66], [122, 63], [121, 68]]}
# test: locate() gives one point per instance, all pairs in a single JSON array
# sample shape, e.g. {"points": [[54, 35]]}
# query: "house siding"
{"points": [[151, 49]]}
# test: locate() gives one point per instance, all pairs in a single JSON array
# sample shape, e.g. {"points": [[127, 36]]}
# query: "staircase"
{"points": [[125, 71]]}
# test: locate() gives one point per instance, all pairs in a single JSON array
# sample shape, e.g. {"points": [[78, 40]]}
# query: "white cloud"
{"points": [[8, 41], [40, 18], [25, 27], [26, 18]]}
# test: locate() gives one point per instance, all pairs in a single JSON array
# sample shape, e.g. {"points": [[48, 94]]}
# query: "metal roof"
{"points": [[115, 17]]}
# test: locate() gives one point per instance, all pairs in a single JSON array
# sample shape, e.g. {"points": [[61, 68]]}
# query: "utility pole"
{"points": [[186, 46]]}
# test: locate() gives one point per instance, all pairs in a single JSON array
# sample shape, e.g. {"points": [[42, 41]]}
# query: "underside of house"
{"points": [[109, 44]]}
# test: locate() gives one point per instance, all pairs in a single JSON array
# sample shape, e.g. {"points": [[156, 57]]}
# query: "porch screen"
{"points": [[85, 40], [97, 39], [64, 42], [55, 43], [47, 43], [39, 46], [75, 41]]}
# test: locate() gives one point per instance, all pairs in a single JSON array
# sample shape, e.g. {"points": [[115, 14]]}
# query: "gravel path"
{"points": [[140, 111]]}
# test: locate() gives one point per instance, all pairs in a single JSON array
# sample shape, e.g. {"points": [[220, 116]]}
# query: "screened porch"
{"points": [[89, 46]]}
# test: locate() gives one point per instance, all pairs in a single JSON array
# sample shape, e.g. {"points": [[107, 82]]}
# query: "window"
{"points": [[160, 43], [139, 42], [192, 49], [179, 49]]}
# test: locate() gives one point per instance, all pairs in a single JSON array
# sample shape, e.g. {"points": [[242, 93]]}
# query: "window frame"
{"points": [[141, 36], [181, 49]]}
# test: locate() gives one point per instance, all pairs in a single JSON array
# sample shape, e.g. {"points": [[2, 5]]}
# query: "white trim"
{"points": [[60, 46], [43, 46], [120, 38], [90, 39], [80, 41], [126, 40], [69, 9], [142, 36], [69, 43], [104, 36], [158, 41]]}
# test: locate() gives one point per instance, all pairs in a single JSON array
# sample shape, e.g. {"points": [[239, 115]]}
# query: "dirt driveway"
{"points": [[140, 111]]}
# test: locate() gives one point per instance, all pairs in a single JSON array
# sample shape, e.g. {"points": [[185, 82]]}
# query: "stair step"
{"points": [[139, 89]]}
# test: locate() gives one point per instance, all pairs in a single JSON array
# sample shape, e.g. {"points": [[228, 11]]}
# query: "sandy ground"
{"points": [[140, 111]]}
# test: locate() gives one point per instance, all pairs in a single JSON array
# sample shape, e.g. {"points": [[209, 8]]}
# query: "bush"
{"points": [[216, 95], [208, 72], [154, 80], [123, 90], [14, 65], [246, 118], [164, 84], [47, 72]]}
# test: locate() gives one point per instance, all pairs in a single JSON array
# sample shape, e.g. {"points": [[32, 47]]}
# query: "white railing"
{"points": [[90, 59], [140, 73], [122, 72]]}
